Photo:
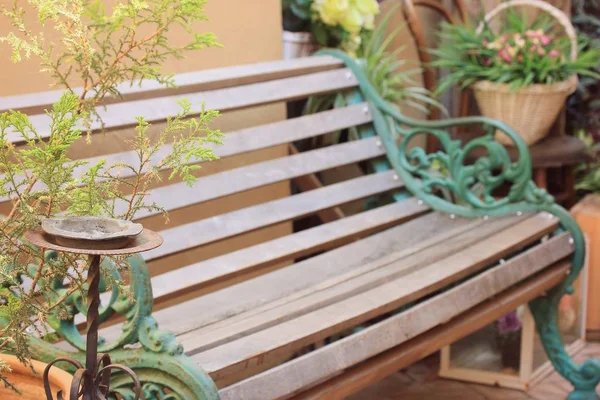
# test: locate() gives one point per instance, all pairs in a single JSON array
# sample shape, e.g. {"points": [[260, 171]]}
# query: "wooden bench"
{"points": [[323, 312]]}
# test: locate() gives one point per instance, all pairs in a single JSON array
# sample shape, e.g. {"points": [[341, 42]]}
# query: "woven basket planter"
{"points": [[531, 110]]}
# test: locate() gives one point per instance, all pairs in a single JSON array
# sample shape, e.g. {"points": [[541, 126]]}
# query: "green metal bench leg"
{"points": [[584, 377]]}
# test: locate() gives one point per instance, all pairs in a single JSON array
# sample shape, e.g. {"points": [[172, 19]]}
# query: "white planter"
{"points": [[298, 44]]}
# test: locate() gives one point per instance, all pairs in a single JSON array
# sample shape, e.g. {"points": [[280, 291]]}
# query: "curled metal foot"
{"points": [[83, 378]]}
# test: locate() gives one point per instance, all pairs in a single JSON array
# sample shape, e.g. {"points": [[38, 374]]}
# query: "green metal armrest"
{"points": [[415, 168]]}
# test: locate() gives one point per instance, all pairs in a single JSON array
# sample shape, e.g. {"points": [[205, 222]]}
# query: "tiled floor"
{"points": [[420, 382]]}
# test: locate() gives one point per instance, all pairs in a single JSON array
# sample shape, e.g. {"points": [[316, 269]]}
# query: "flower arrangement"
{"points": [[521, 73], [520, 55], [334, 23]]}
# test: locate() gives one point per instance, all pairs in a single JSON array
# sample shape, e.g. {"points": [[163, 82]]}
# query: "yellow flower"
{"points": [[369, 21], [352, 20], [351, 15], [331, 12], [352, 44], [367, 7]]}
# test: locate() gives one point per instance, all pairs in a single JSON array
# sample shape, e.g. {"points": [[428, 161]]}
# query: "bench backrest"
{"points": [[233, 223]]}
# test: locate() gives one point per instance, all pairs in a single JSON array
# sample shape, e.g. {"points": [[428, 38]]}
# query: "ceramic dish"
{"points": [[91, 232]]}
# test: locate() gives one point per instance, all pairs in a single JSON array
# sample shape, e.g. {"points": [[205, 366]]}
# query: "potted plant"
{"points": [[522, 73], [310, 24], [97, 52], [24, 381]]}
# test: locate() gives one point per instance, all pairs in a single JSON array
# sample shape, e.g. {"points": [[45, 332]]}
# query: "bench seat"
{"points": [[259, 323], [251, 309]]}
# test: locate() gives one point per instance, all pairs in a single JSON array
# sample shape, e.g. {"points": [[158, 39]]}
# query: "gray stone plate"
{"points": [[92, 232]]}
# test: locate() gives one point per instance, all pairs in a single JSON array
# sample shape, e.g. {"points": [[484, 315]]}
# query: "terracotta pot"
{"points": [[298, 44], [29, 383]]}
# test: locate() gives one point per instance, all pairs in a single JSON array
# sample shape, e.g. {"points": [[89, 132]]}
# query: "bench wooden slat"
{"points": [[186, 82], [310, 182], [381, 249], [371, 275], [389, 362], [195, 234], [297, 279], [179, 195], [198, 276], [228, 99], [251, 139], [330, 360], [282, 338], [205, 273]]}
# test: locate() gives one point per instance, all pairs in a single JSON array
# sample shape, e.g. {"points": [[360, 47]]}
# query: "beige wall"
{"points": [[249, 30], [402, 40]]}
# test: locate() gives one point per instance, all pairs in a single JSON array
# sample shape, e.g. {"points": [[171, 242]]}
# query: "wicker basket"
{"points": [[532, 110]]}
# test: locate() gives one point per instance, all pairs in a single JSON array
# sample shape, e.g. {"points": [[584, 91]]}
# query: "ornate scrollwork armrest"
{"points": [[452, 180]]}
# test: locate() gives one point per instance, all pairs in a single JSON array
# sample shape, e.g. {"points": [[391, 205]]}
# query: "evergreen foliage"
{"points": [[99, 52]]}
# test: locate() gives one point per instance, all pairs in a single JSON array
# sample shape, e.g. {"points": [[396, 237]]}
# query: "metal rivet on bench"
{"points": [[395, 177], [366, 110], [571, 241], [502, 261], [452, 216], [378, 143], [485, 217], [568, 272], [349, 75], [519, 213], [420, 202]]}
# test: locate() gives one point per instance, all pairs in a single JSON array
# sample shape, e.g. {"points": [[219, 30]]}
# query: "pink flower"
{"points": [[503, 38], [509, 323], [545, 40], [505, 56], [541, 51], [554, 53]]}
